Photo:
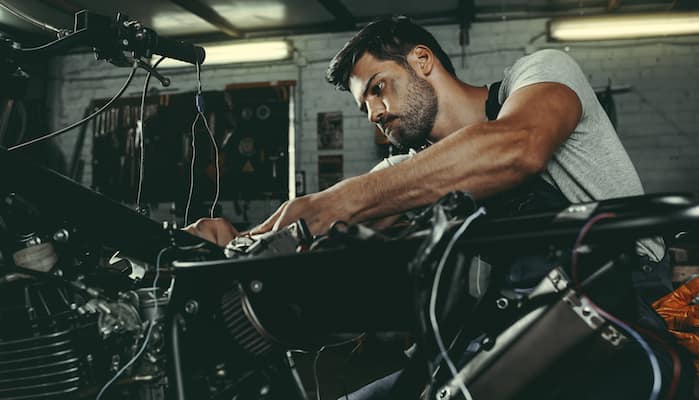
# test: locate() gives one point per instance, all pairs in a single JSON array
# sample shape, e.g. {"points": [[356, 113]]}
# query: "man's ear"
{"points": [[421, 59]]}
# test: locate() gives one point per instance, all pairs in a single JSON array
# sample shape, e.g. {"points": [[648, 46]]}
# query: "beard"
{"points": [[414, 124]]}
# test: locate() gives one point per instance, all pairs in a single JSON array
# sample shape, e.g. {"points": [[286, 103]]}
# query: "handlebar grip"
{"points": [[180, 50]]}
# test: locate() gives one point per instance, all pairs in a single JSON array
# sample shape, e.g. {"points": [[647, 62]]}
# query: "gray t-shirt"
{"points": [[592, 163]]}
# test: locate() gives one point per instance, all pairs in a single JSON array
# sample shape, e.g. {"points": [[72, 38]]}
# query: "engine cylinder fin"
{"points": [[57, 394], [41, 376], [240, 327], [40, 367], [10, 353], [44, 338]]}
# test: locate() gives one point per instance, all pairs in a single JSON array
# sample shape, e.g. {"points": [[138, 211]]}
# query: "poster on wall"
{"points": [[329, 171], [330, 130]]}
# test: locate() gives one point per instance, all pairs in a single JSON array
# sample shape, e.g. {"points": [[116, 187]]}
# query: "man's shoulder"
{"points": [[545, 58], [546, 65]]}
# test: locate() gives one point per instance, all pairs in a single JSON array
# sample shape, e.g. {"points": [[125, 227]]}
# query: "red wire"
{"points": [[583, 232]]}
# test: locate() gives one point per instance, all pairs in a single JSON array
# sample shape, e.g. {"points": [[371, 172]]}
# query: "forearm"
{"points": [[482, 159]]}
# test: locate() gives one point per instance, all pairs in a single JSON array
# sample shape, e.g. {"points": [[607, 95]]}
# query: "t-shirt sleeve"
{"points": [[547, 66]]}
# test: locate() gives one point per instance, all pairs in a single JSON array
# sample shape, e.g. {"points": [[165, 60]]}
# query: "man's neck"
{"points": [[460, 105]]}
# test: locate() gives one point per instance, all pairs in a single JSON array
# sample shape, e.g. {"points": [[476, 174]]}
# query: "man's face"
{"points": [[400, 103]]}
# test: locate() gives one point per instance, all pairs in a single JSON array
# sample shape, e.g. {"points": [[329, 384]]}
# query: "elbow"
{"points": [[530, 164]]}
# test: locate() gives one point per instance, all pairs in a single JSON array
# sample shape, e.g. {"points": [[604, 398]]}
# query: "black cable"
{"points": [[176, 357], [343, 377], [84, 120]]}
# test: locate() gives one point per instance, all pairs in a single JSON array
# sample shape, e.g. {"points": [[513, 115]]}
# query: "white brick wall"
{"points": [[657, 119]]}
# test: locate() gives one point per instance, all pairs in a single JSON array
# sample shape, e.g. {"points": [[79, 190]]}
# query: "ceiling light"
{"points": [[229, 53], [629, 26]]}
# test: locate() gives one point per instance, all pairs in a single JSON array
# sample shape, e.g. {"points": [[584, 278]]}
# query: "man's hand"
{"points": [[216, 230], [318, 210]]}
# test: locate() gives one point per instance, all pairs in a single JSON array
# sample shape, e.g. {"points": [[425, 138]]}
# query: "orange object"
{"points": [[682, 316]]}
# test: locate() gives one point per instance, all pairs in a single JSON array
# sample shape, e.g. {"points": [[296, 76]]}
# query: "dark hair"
{"points": [[386, 39]]}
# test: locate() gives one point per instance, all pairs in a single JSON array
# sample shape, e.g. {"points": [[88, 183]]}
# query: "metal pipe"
{"points": [[176, 357]]}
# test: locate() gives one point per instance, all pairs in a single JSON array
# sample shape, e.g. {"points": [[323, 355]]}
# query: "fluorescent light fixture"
{"points": [[229, 53], [629, 26]]}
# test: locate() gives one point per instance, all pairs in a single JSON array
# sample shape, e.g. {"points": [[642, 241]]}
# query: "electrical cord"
{"points": [[139, 132], [316, 381], [676, 363], [31, 20], [198, 67], [349, 357], [655, 366], [653, 360], [317, 357], [218, 167], [433, 299], [199, 102], [84, 120], [578, 242], [154, 289], [191, 172]]}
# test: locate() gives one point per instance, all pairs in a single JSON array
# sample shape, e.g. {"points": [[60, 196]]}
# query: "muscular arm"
{"points": [[483, 159]]}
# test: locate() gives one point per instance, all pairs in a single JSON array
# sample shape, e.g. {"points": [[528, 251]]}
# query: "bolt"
{"points": [[555, 277], [646, 268], [502, 303], [586, 311], [487, 343], [264, 390], [191, 307], [256, 286], [61, 235], [443, 393], [125, 42]]}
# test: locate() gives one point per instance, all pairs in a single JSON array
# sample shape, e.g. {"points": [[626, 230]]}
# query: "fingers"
{"points": [[294, 210], [270, 222], [281, 221], [216, 230]]}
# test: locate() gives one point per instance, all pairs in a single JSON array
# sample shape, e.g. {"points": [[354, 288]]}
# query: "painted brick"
{"points": [[666, 75]]}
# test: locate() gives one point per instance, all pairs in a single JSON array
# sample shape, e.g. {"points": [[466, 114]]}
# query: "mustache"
{"points": [[385, 120]]}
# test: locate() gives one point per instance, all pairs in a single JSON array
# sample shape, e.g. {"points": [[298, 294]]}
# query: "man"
{"points": [[550, 127]]}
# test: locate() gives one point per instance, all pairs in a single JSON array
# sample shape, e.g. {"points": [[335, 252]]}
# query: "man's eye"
{"points": [[378, 87]]}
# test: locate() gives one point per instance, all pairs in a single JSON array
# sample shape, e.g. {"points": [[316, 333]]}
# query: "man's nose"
{"points": [[376, 112]]}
